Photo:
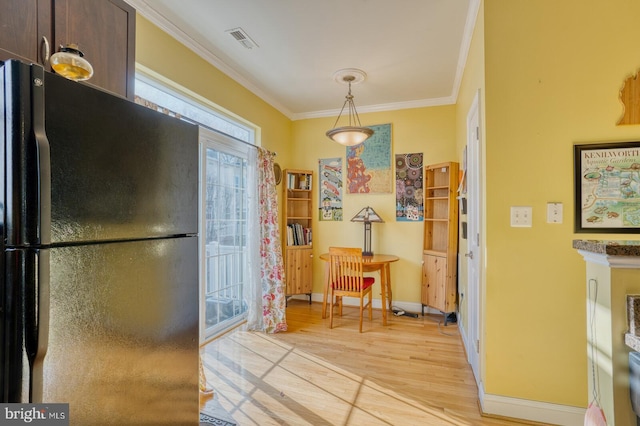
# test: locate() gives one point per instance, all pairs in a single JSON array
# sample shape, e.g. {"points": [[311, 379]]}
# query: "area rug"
{"points": [[214, 414], [207, 420]]}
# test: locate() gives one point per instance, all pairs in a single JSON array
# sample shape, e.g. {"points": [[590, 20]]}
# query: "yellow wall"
{"points": [[427, 130], [161, 53], [549, 74], [300, 144], [553, 72]]}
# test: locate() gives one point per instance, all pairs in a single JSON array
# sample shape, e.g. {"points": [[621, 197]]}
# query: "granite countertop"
{"points": [[609, 247]]}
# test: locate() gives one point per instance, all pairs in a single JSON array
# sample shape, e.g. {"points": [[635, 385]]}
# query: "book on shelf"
{"points": [[299, 181], [297, 235], [289, 235]]}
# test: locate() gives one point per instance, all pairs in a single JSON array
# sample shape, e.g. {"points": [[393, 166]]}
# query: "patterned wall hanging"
{"points": [[409, 194], [330, 189], [369, 163]]}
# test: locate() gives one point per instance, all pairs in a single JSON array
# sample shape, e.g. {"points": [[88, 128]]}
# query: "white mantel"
{"points": [[613, 271]]}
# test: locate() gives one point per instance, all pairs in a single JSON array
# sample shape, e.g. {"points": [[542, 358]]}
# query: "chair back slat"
{"points": [[346, 268], [346, 279]]}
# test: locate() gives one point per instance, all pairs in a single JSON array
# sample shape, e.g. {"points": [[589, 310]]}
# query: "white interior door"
{"points": [[474, 237]]}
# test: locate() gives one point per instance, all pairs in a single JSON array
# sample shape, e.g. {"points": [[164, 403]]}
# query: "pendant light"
{"points": [[69, 63], [353, 133]]}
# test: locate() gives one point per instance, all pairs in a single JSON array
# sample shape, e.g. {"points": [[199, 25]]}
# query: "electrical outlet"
{"points": [[554, 212], [521, 217]]}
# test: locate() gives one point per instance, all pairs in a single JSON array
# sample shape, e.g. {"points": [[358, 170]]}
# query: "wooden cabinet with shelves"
{"points": [[297, 231], [104, 30], [440, 242]]}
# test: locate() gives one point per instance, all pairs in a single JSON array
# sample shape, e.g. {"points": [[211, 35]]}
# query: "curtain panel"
{"points": [[272, 316]]}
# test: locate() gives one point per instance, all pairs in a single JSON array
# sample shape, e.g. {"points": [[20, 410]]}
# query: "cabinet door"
{"points": [[104, 30], [299, 270], [24, 25], [434, 282]]}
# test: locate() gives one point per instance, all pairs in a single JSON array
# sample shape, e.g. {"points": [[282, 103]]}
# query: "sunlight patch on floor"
{"points": [[261, 381]]}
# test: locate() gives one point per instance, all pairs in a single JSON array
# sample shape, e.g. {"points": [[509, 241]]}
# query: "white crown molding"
{"points": [[378, 108], [143, 8], [469, 26]]}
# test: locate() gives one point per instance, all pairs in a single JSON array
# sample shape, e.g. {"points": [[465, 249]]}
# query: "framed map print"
{"points": [[607, 187]]}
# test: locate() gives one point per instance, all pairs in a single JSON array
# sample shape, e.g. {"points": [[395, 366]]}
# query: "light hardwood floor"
{"points": [[410, 372]]}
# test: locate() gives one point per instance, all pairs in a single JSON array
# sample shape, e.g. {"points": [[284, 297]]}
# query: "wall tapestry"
{"points": [[369, 163], [409, 196], [330, 189]]}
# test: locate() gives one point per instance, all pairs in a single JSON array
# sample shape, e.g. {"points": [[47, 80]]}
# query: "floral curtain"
{"points": [[272, 288]]}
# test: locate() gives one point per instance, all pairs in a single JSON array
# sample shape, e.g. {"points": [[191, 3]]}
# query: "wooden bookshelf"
{"points": [[297, 231], [440, 242]]}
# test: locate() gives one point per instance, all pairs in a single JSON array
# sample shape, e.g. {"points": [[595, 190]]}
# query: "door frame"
{"points": [[474, 253], [211, 139]]}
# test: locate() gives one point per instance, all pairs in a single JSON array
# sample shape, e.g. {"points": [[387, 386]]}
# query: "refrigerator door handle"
{"points": [[26, 325], [27, 157], [43, 156], [37, 325]]}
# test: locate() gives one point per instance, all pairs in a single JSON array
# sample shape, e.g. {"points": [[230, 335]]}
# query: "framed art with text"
{"points": [[607, 187]]}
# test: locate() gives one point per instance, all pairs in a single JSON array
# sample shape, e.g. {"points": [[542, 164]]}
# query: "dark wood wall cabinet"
{"points": [[104, 30]]}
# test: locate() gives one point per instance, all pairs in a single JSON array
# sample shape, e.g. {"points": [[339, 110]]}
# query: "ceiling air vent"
{"points": [[243, 38]]}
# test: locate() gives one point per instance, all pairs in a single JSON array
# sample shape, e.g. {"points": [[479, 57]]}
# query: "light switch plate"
{"points": [[554, 212], [521, 216]]}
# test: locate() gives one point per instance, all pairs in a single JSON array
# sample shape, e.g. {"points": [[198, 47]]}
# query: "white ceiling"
{"points": [[412, 51]]}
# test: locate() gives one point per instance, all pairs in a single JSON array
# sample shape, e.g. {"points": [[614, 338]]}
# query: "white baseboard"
{"points": [[542, 412], [463, 336], [377, 303]]}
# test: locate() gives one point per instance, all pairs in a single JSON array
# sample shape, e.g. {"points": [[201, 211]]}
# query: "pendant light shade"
{"points": [[69, 63], [349, 135], [353, 133]]}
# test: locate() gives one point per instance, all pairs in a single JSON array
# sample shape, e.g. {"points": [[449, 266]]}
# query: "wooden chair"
{"points": [[346, 279]]}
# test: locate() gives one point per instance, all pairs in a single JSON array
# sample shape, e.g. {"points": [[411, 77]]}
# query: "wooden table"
{"points": [[377, 262]]}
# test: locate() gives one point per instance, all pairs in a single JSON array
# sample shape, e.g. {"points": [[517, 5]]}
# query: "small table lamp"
{"points": [[367, 215]]}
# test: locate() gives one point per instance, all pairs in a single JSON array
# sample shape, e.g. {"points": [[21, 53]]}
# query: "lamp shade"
{"points": [[367, 214], [349, 135]]}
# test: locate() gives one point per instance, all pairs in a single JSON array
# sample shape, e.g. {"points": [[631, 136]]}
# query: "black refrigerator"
{"points": [[99, 265]]}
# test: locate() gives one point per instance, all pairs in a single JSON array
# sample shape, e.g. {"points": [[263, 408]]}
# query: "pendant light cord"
{"points": [[354, 118]]}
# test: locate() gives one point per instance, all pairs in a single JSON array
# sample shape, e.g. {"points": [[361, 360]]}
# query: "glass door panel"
{"points": [[225, 236]]}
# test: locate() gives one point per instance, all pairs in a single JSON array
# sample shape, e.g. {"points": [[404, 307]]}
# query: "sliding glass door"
{"points": [[227, 166], [224, 232]]}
